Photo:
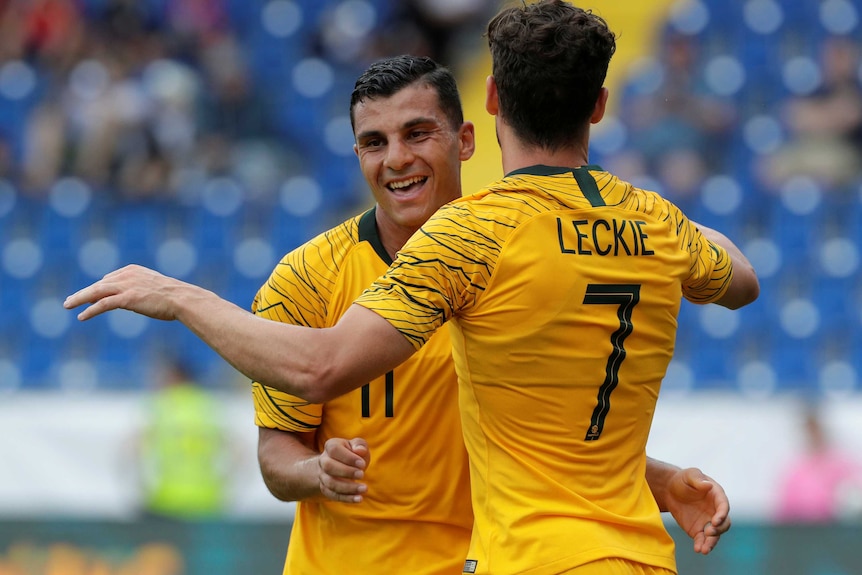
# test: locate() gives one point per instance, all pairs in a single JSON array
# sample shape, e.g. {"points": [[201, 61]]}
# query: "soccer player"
{"points": [[560, 284], [406, 112], [416, 517]]}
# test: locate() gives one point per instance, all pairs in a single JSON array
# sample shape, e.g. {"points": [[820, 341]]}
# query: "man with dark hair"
{"points": [[415, 517], [561, 285]]}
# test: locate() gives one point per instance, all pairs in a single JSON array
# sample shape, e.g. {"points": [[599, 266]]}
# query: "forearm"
{"points": [[276, 354], [314, 364], [289, 467], [658, 476]]}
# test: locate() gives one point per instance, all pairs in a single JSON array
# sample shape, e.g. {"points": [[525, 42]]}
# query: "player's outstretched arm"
{"points": [[313, 364], [293, 471], [696, 501]]}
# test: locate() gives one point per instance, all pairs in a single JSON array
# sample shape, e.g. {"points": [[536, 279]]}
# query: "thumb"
{"points": [[698, 480]]}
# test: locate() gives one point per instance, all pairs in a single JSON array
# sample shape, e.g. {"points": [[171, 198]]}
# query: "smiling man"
{"points": [[416, 515]]}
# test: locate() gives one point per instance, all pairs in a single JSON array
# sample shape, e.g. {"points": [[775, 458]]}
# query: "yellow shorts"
{"points": [[615, 566]]}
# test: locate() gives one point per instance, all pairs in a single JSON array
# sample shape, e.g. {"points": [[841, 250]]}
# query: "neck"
{"points": [[517, 155], [392, 236]]}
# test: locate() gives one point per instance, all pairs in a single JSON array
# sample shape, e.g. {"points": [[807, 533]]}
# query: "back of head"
{"points": [[391, 75], [176, 372], [550, 60]]}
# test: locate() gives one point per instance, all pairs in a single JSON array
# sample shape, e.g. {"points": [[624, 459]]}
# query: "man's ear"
{"points": [[467, 137], [492, 103], [601, 105]]}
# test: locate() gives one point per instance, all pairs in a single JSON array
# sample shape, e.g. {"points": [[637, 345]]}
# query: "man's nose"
{"points": [[398, 155]]}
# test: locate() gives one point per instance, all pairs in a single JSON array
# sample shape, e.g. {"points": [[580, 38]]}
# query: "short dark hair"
{"points": [[550, 60], [390, 75]]}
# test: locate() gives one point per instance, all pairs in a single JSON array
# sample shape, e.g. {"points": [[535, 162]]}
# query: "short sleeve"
{"points": [[274, 409]]}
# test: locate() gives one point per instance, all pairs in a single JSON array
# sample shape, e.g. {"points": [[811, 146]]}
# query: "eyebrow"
{"points": [[414, 122]]}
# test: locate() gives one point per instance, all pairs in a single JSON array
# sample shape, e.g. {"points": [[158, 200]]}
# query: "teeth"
{"points": [[405, 183]]}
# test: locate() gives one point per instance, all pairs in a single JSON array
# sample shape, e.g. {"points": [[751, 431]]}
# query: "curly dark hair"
{"points": [[550, 60], [386, 77]]}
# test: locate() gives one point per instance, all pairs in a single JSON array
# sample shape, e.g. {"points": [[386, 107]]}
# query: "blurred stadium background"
{"points": [[206, 138]]}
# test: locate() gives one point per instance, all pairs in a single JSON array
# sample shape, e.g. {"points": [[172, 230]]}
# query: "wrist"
{"points": [[660, 477]]}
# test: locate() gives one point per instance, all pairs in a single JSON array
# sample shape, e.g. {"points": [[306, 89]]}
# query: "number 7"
{"points": [[626, 297]]}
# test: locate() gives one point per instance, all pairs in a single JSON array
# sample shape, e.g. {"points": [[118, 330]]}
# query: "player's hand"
{"points": [[700, 506], [134, 288], [342, 468]]}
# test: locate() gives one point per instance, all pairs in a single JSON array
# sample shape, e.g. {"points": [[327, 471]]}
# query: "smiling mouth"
{"points": [[407, 185]]}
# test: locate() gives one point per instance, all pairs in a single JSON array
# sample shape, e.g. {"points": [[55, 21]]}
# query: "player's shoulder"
{"points": [[619, 192], [306, 277], [475, 208], [494, 193], [334, 242], [346, 233]]}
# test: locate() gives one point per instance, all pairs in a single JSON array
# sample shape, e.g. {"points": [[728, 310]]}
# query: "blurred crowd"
{"points": [[141, 98], [824, 126], [773, 107], [144, 98], [127, 96]]}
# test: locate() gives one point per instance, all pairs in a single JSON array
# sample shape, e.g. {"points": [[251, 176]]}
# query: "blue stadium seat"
{"points": [[289, 232], [206, 364], [713, 362], [795, 363], [801, 15], [36, 356], [244, 15], [139, 228], [212, 234], [123, 362]]}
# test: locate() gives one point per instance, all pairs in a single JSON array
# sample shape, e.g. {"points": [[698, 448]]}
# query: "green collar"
{"points": [[542, 170], [582, 175], [368, 233]]}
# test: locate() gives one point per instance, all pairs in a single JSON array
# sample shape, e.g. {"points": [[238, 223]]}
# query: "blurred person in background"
{"points": [[200, 32], [678, 130], [145, 97], [49, 37], [825, 127], [184, 453], [8, 168], [122, 117], [823, 484], [45, 33], [435, 28]]}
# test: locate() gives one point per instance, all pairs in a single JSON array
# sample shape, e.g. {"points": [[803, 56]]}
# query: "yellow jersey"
{"points": [[563, 288], [416, 516]]}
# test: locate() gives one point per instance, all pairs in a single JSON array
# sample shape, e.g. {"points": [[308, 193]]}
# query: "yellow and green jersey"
{"points": [[416, 517], [563, 288], [185, 467]]}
